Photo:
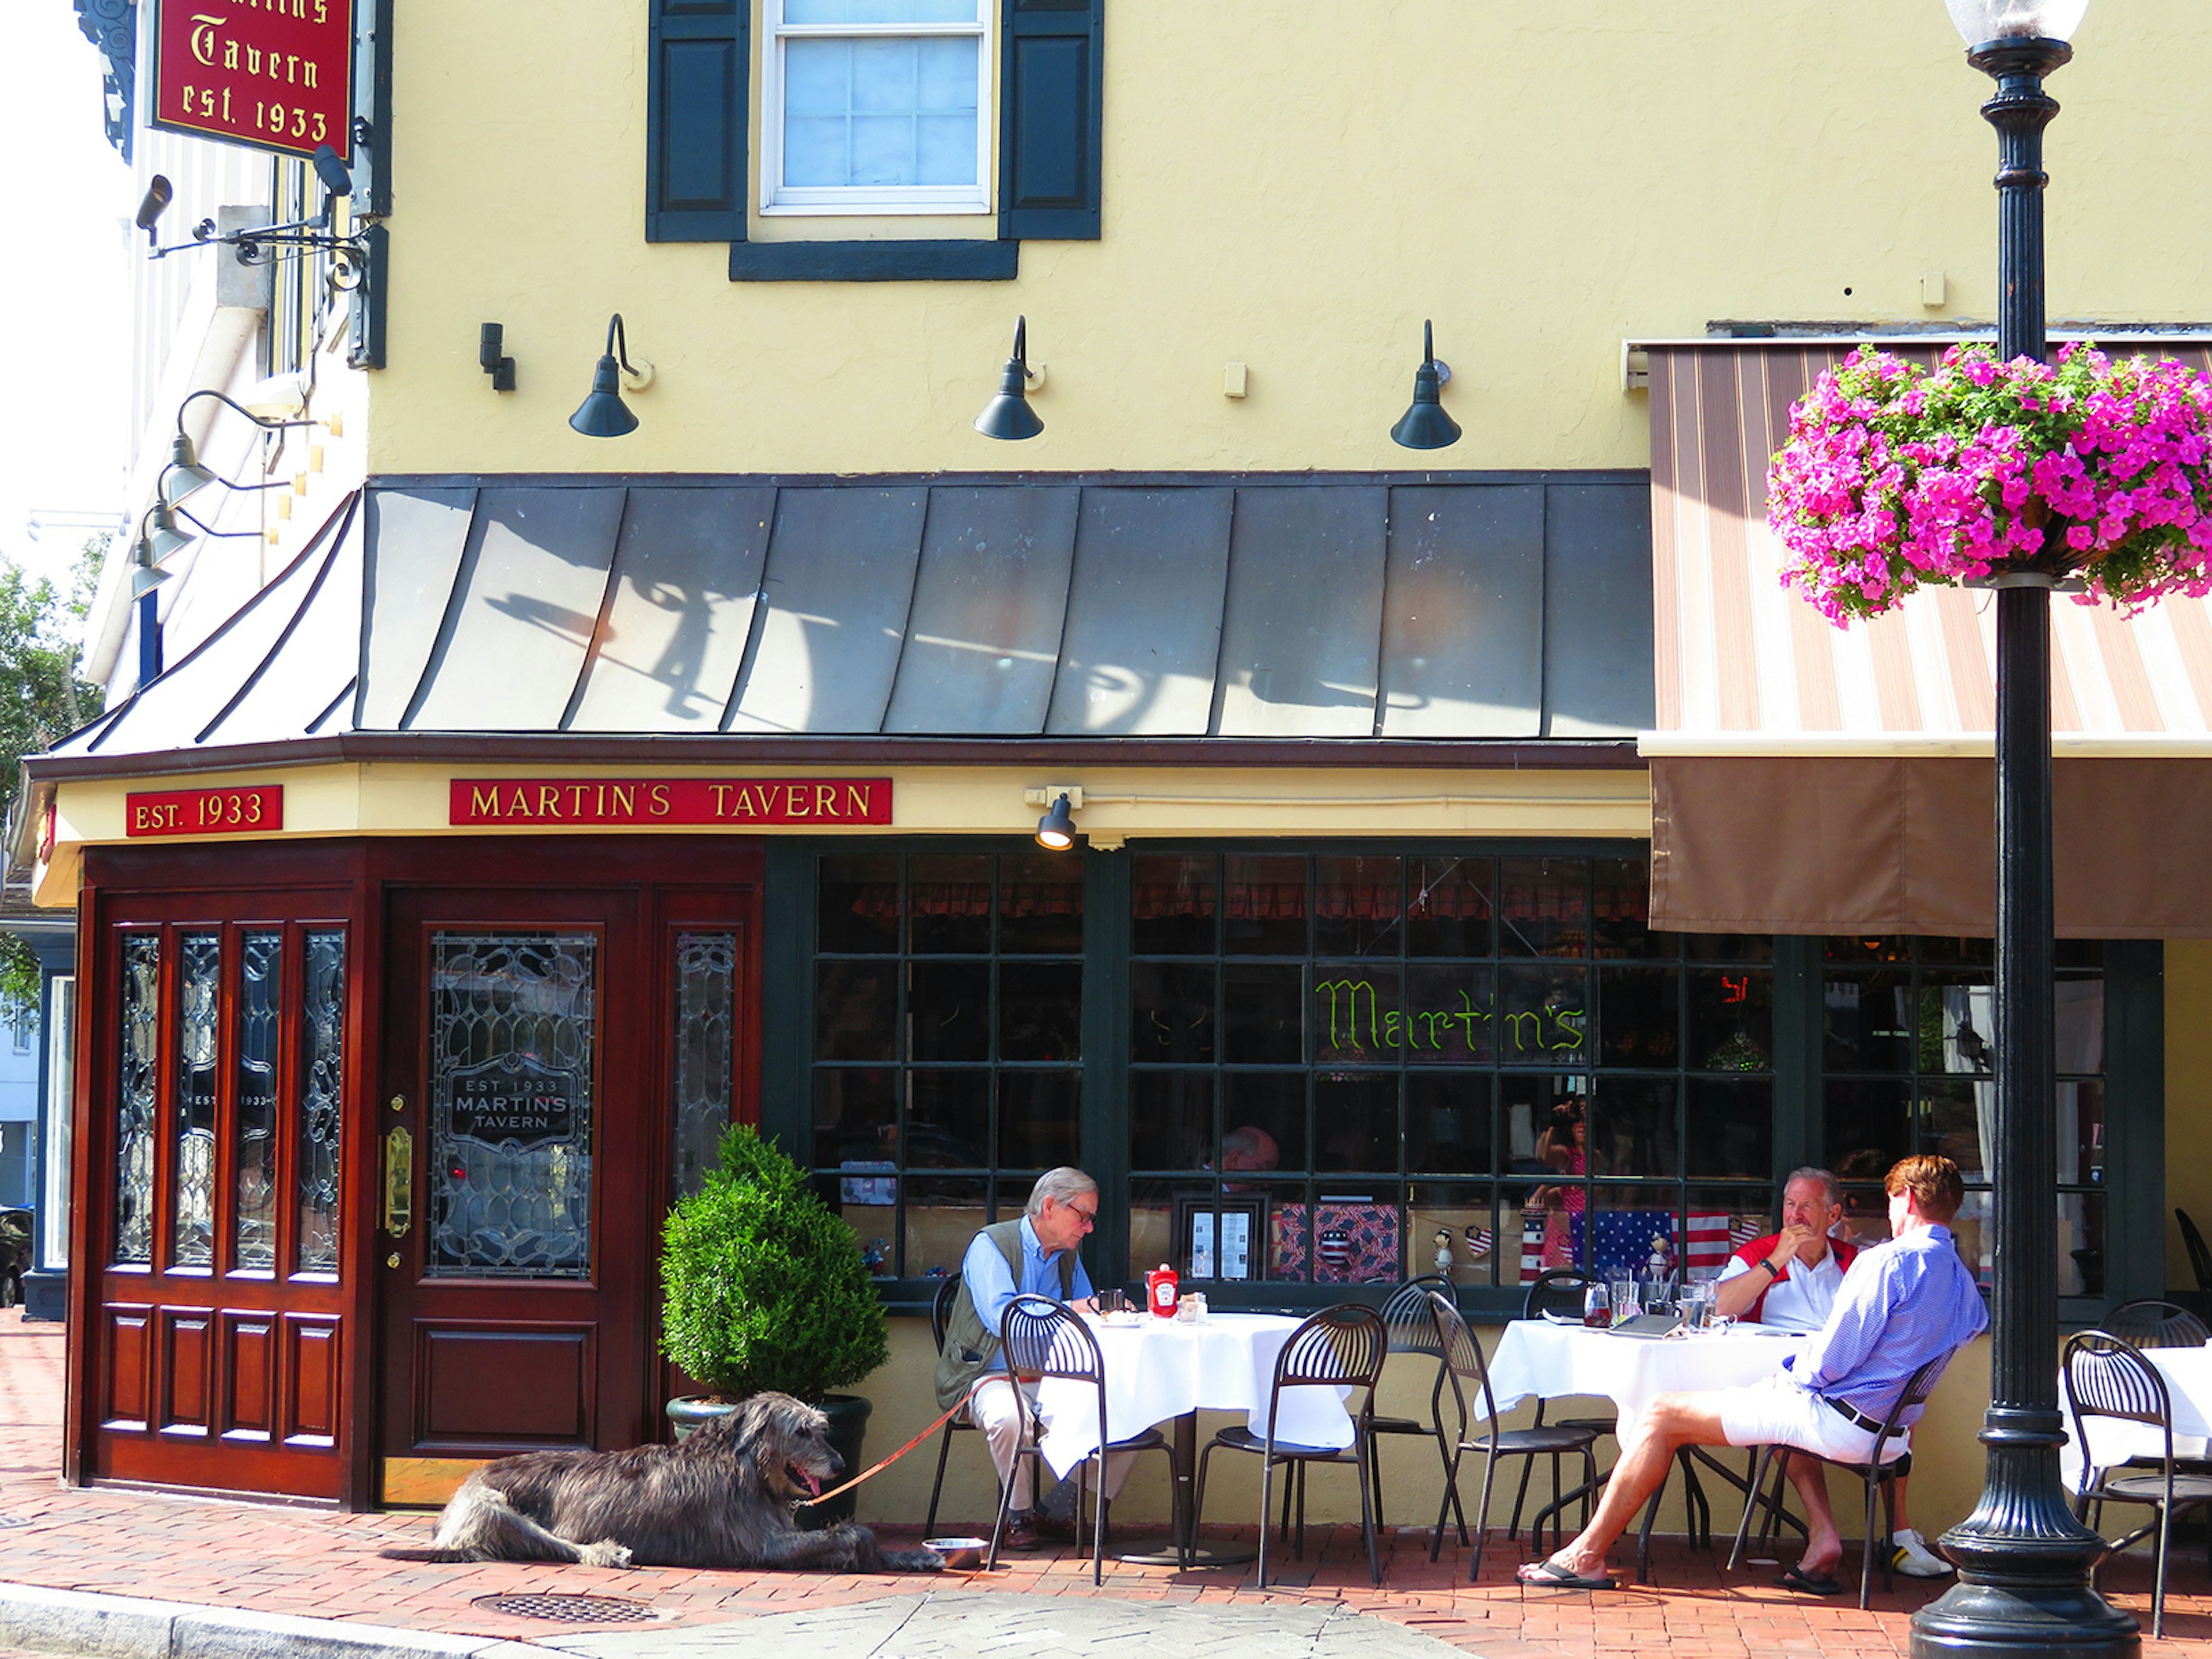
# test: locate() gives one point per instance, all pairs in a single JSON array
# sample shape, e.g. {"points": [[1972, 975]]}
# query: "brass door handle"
{"points": [[399, 1181]]}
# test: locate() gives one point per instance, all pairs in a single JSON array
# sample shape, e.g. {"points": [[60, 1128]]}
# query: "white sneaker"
{"points": [[1911, 1557]]}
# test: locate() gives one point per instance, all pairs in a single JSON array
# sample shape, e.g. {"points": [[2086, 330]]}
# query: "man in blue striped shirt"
{"points": [[1901, 1304]]}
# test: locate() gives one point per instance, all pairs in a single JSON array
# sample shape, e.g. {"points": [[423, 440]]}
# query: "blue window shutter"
{"points": [[1051, 122], [697, 81]]}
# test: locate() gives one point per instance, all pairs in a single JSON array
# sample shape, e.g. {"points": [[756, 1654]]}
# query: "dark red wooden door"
{"points": [[218, 1269], [517, 1128]]}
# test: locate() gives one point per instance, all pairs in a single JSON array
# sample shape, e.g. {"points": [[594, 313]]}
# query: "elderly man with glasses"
{"points": [[1034, 1255]]}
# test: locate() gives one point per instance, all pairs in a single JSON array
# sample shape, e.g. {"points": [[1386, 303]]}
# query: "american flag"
{"points": [[1708, 1239]]}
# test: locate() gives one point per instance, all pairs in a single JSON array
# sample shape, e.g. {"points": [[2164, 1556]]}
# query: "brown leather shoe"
{"points": [[1021, 1534]]}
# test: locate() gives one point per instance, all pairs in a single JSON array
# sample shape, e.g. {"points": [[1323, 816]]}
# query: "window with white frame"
{"points": [[876, 107]]}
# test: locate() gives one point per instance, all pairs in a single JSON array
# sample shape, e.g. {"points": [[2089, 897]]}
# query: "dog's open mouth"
{"points": [[807, 1478]]}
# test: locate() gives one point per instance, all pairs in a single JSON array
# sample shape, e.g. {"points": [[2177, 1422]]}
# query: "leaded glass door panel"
{"points": [[216, 1292], [511, 1245]]}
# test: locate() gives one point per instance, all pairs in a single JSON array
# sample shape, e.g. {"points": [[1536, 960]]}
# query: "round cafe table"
{"points": [[1159, 1371], [1538, 1359]]}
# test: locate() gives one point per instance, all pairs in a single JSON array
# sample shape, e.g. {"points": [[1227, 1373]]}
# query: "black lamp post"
{"points": [[2024, 1561]]}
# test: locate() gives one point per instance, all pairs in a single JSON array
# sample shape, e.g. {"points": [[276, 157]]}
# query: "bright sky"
{"points": [[65, 201]]}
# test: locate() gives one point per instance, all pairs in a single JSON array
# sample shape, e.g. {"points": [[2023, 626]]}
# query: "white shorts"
{"points": [[1762, 1415]]}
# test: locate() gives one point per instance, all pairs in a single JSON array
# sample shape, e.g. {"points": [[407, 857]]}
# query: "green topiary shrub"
{"points": [[764, 1287]]}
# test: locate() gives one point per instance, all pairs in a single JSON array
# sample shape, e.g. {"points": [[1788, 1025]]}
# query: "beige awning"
{"points": [[1808, 778]]}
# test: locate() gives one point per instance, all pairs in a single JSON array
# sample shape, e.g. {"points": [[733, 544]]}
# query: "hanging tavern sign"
{"points": [[731, 802], [275, 74]]}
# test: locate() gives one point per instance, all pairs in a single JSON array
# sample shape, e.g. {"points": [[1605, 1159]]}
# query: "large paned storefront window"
{"points": [[1344, 1069], [1294, 1069], [947, 1048], [1906, 1057]]}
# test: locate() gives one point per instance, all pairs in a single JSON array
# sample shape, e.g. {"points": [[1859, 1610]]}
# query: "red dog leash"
{"points": [[876, 1468]]}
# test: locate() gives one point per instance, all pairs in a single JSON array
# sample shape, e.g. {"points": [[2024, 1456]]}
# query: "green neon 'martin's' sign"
{"points": [[1545, 1030]]}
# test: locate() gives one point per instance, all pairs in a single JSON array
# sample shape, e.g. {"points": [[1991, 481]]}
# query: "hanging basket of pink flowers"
{"points": [[1896, 476]]}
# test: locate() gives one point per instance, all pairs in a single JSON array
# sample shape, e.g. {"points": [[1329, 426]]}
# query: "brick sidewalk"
{"points": [[321, 1564]]}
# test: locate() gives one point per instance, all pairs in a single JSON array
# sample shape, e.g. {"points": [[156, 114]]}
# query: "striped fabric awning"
{"points": [[1812, 779]]}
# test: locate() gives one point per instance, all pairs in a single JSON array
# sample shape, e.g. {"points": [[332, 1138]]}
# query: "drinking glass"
{"points": [[1625, 1304]]}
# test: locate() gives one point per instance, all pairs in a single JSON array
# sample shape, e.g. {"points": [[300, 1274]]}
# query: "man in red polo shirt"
{"points": [[1788, 1279]]}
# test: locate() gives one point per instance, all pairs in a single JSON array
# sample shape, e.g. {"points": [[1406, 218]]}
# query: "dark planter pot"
{"points": [[848, 1427]]}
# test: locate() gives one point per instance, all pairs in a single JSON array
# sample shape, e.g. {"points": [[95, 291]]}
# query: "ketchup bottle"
{"points": [[1160, 1291]]}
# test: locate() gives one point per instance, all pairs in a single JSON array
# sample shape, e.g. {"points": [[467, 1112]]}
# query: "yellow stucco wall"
{"points": [[1290, 186], [2188, 1096]]}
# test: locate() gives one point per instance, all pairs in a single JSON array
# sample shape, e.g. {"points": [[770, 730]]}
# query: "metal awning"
{"points": [[1514, 608], [1808, 778]]}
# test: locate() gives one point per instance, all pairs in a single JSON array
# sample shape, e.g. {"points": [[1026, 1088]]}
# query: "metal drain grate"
{"points": [[569, 1609]]}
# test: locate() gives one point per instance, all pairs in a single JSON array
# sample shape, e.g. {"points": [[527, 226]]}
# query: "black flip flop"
{"points": [[1805, 1584], [1550, 1575]]}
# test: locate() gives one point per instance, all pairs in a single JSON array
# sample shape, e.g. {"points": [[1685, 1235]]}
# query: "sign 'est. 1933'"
{"points": [[275, 74], [204, 811]]}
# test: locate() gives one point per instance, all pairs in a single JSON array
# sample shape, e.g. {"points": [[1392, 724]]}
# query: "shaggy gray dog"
{"points": [[722, 1498]]}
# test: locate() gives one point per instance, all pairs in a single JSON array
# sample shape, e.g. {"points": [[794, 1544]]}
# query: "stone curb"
{"points": [[125, 1627]]}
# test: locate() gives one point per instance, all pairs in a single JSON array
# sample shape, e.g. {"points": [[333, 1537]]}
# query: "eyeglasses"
{"points": [[1090, 1217]]}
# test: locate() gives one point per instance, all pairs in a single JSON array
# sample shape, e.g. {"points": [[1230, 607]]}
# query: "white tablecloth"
{"points": [[1158, 1369], [1540, 1360], [2188, 1373]]}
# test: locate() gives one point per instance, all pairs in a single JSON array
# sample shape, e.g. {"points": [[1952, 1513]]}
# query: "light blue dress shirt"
{"points": [[1901, 1304], [990, 1286]]}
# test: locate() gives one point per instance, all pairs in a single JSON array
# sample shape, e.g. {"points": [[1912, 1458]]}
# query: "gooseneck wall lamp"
{"points": [[185, 477], [1008, 415], [603, 414], [2025, 1563], [1425, 425]]}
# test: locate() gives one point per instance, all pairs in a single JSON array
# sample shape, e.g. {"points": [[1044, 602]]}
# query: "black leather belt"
{"points": [[1859, 1419]]}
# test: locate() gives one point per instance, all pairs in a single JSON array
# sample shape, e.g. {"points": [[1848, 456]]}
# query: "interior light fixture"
{"points": [[603, 414], [1056, 829], [1425, 425], [1008, 415]]}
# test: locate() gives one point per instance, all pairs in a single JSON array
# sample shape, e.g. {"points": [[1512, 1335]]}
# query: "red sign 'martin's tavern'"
{"points": [[726, 801]]}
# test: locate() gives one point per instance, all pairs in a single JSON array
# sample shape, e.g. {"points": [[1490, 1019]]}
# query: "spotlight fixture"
{"points": [[291, 238], [153, 205], [603, 414], [1056, 829], [1425, 425], [1009, 415], [491, 338]]}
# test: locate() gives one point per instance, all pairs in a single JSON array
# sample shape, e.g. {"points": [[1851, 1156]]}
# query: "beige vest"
{"points": [[968, 1347]]}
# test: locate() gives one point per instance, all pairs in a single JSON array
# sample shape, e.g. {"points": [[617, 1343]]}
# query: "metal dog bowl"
{"points": [[961, 1554]]}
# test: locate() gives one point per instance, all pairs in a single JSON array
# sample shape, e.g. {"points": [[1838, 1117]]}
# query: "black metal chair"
{"points": [[1557, 1291], [2149, 1323], [1338, 1347], [1880, 1477], [1464, 1365], [2106, 1377], [1412, 1329], [940, 1311], [1040, 1338]]}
